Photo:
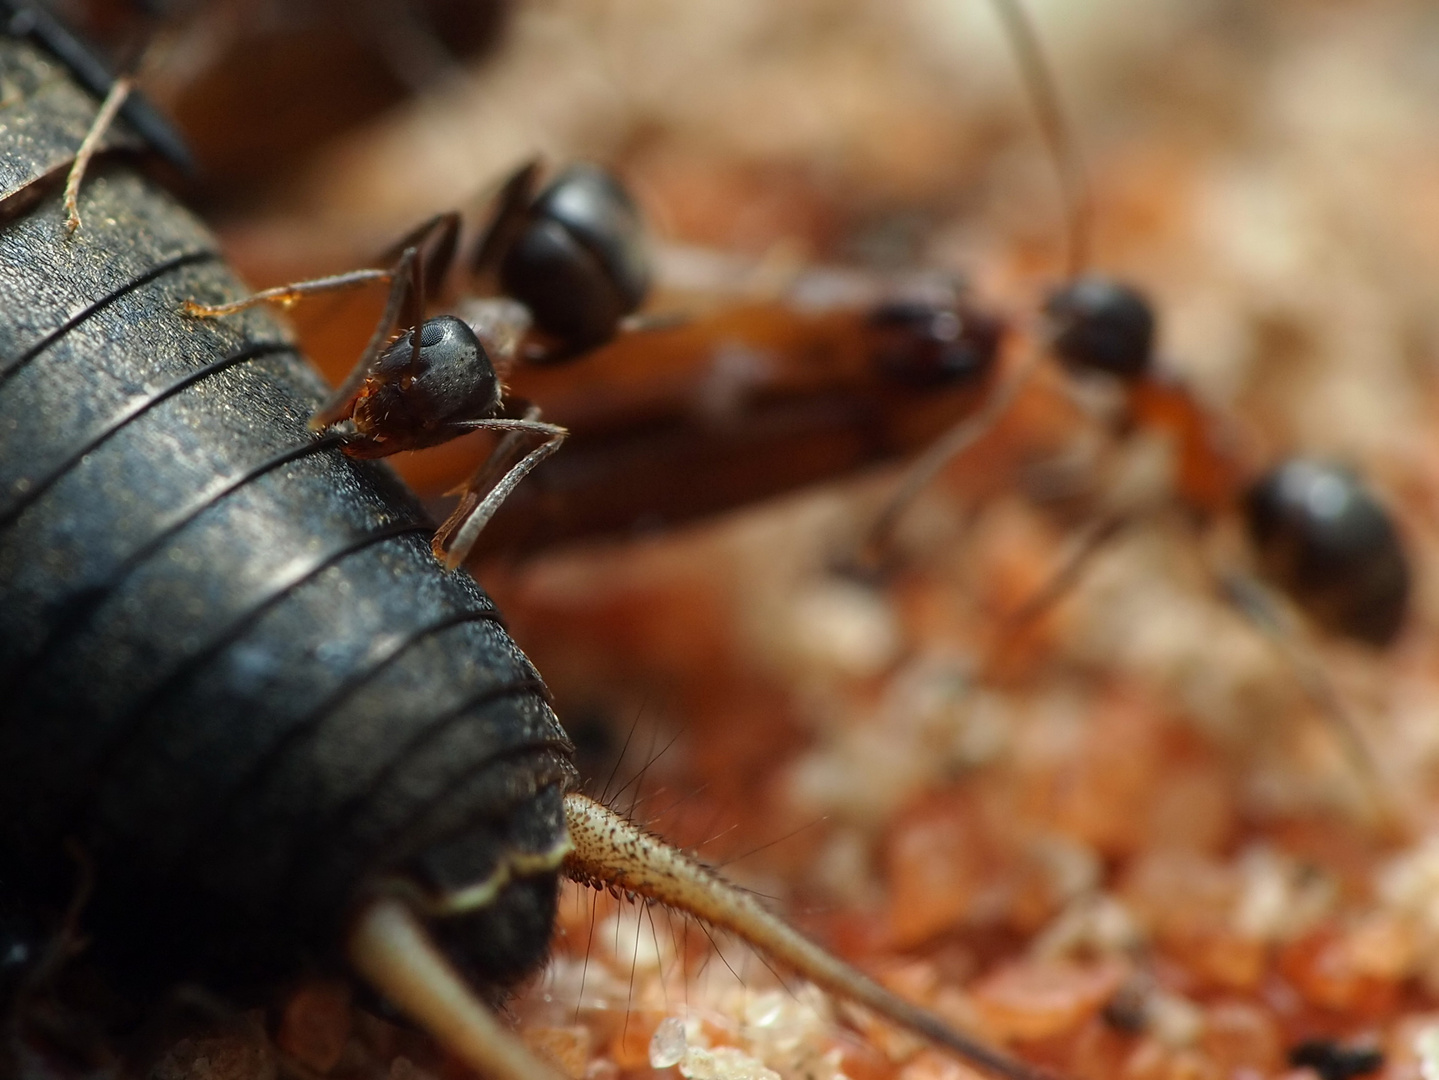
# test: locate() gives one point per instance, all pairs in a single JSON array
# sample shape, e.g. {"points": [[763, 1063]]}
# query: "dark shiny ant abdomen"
{"points": [[578, 259], [1322, 537]]}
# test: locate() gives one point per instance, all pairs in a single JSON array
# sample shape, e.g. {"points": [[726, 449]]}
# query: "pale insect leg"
{"points": [[458, 534], [390, 948], [109, 109]]}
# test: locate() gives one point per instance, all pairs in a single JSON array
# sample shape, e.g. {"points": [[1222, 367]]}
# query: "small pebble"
{"points": [[668, 1045]]}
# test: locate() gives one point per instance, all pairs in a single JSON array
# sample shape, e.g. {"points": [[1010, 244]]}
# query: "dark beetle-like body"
{"points": [[232, 672]]}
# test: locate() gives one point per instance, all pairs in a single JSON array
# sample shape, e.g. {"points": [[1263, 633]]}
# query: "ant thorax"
{"points": [[499, 322]]}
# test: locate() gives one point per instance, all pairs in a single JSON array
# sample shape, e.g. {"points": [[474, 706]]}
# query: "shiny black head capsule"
{"points": [[1320, 535], [580, 263], [1099, 324], [926, 345], [408, 403]]}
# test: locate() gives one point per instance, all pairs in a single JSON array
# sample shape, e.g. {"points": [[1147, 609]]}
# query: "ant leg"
{"points": [[508, 218], [439, 255], [289, 295], [501, 458], [1068, 573], [611, 852], [404, 307], [1259, 607], [948, 448], [1097, 533], [109, 109], [454, 539], [438, 238], [391, 949]]}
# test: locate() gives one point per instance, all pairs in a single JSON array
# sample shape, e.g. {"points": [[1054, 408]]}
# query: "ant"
{"points": [[1316, 532], [567, 266]]}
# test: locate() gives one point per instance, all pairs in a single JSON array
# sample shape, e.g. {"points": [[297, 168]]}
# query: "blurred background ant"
{"points": [[1317, 533]]}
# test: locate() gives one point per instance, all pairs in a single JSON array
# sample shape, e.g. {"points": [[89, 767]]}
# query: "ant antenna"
{"points": [[1038, 77]]}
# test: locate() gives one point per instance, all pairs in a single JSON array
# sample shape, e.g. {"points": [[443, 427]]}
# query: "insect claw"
{"points": [[392, 950]]}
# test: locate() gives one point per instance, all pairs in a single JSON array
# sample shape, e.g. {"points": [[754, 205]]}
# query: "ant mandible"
{"points": [[558, 273]]}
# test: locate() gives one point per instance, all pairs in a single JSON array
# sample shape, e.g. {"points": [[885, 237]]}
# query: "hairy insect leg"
{"points": [[454, 539], [109, 109], [390, 948], [611, 852]]}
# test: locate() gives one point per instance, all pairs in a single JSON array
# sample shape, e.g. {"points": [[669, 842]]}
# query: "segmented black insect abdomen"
{"points": [[230, 667]]}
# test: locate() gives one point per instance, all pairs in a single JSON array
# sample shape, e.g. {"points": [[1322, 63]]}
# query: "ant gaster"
{"points": [[570, 265]]}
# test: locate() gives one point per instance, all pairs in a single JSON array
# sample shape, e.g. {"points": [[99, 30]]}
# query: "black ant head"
{"points": [[1323, 538], [927, 345], [409, 402], [580, 264], [1099, 324]]}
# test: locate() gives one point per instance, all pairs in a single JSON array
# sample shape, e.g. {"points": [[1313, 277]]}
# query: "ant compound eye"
{"points": [[456, 376], [582, 265], [925, 345], [1320, 535], [1098, 324]]}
